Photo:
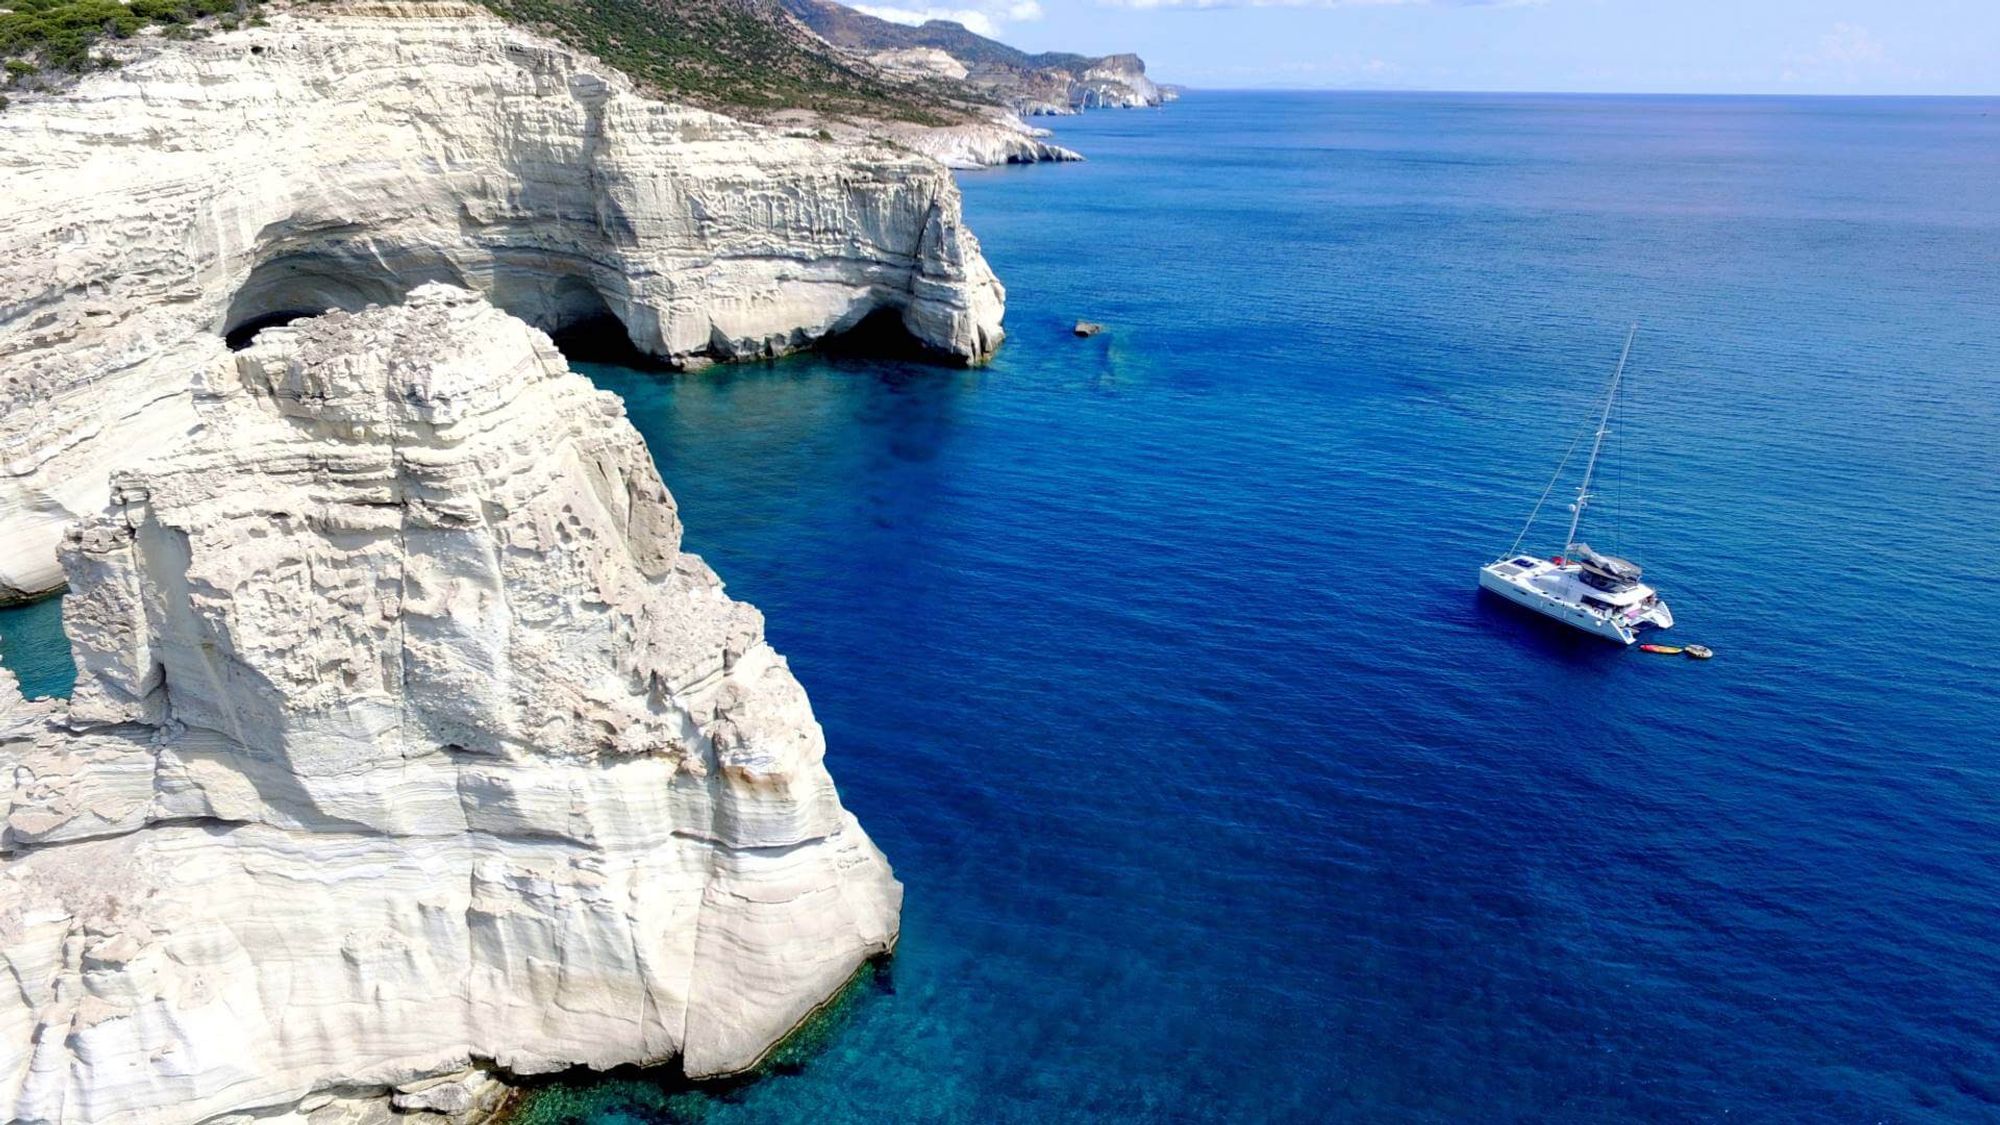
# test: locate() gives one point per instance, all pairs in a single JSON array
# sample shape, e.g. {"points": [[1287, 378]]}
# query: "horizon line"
{"points": [[1189, 87]]}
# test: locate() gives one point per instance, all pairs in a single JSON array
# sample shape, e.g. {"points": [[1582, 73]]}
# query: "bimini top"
{"points": [[1611, 568]]}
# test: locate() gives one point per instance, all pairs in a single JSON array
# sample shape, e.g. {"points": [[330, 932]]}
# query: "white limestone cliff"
{"points": [[1116, 82], [349, 151], [985, 144], [1000, 138], [919, 62], [407, 747]]}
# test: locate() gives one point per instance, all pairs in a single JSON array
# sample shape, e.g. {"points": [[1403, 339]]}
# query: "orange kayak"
{"points": [[1664, 650]]}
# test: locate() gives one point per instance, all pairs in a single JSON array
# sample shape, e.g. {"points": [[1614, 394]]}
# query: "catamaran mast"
{"points": [[1583, 493]]}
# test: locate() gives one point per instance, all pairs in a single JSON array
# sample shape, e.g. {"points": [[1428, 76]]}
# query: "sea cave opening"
{"points": [[879, 335], [583, 325], [354, 275], [306, 283], [564, 301], [244, 334]]}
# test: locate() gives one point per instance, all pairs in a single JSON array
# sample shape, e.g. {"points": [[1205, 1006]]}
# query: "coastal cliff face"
{"points": [[1052, 82], [345, 153], [407, 746], [986, 144], [1115, 82]]}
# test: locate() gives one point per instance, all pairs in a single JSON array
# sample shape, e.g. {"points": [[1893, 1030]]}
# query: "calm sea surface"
{"points": [[1154, 661]]}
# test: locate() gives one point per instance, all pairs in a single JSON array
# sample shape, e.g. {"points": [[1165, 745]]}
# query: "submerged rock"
{"points": [[407, 744], [350, 151]]}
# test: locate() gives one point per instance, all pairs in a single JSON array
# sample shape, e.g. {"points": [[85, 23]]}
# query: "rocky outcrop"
{"points": [[345, 153], [997, 138], [1115, 82], [1051, 82], [919, 62], [408, 748], [987, 144]]}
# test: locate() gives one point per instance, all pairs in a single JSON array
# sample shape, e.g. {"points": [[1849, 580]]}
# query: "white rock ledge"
{"points": [[348, 152], [986, 144], [406, 745]]}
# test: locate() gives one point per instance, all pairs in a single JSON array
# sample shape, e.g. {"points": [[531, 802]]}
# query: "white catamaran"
{"points": [[1597, 593]]}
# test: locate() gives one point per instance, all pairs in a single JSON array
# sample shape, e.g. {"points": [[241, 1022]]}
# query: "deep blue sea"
{"points": [[1154, 661]]}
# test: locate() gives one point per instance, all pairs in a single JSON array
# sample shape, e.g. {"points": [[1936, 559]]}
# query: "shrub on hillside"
{"points": [[56, 36]]}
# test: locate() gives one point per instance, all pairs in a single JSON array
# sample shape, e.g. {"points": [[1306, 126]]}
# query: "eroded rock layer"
{"points": [[345, 153], [986, 144], [407, 742]]}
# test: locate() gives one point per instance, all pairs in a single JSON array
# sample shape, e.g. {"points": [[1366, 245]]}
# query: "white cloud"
{"points": [[1849, 45], [1847, 53], [984, 20]]}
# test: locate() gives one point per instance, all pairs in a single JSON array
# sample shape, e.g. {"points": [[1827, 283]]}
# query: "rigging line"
{"points": [[1560, 466], [1590, 467], [1618, 459]]}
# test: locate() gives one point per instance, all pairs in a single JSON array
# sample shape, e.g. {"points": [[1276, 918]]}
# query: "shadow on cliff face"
{"points": [[351, 275], [601, 338], [881, 335], [301, 283], [586, 327], [244, 334]]}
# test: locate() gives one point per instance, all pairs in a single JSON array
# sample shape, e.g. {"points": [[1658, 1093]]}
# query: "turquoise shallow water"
{"points": [[33, 647], [1154, 661]]}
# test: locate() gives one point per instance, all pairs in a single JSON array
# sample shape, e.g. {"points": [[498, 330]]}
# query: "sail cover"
{"points": [[1609, 566]]}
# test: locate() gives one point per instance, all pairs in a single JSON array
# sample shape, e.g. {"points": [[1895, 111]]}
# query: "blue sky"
{"points": [[1678, 46]]}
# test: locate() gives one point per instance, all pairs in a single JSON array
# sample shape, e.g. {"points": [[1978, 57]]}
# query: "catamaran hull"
{"points": [[1556, 609]]}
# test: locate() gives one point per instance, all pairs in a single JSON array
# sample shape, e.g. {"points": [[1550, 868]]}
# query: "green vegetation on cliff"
{"points": [[54, 37], [738, 56], [732, 55]]}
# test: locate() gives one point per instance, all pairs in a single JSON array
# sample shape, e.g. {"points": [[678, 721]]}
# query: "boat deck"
{"points": [[1557, 591]]}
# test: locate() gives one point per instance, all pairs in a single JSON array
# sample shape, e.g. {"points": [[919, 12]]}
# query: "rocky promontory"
{"points": [[1115, 82], [1051, 82], [346, 152], [408, 752], [985, 145]]}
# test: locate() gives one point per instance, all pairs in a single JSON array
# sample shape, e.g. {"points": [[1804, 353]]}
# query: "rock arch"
{"points": [[302, 281], [369, 150], [295, 281]]}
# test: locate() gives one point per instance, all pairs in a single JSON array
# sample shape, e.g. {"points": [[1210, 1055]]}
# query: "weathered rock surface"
{"points": [[986, 144], [407, 745], [1051, 82], [920, 62], [1115, 82], [347, 152], [1001, 137]]}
